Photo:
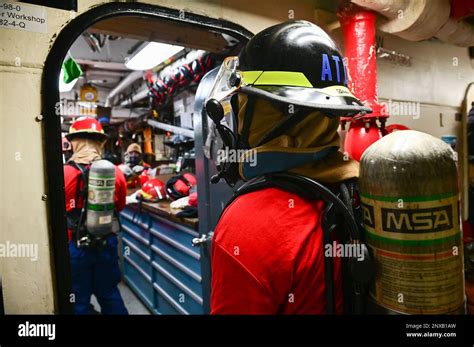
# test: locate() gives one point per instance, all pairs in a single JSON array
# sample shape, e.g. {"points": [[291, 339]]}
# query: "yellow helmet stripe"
{"points": [[275, 78]]}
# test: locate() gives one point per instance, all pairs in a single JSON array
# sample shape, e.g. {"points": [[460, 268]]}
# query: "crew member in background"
{"points": [[134, 158], [268, 249], [134, 168], [95, 268]]}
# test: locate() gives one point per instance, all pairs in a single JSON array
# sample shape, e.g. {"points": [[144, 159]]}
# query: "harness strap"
{"points": [[77, 215]]}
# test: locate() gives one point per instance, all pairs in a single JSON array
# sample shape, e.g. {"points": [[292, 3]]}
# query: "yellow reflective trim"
{"points": [[146, 195], [249, 77], [276, 78]]}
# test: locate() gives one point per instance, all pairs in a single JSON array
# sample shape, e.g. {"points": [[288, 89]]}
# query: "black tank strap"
{"points": [[76, 216], [84, 174]]}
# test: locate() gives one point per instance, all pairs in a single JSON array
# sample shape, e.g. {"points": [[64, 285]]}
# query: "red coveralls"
{"points": [[268, 257]]}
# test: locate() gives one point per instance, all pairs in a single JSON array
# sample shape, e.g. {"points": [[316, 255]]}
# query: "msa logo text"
{"points": [[37, 330], [423, 220]]}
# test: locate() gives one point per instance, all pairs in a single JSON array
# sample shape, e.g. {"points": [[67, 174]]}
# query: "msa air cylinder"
{"points": [[410, 201], [100, 198]]}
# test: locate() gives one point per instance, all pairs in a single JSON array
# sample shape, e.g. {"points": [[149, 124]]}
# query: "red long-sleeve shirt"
{"points": [[71, 175], [268, 257]]}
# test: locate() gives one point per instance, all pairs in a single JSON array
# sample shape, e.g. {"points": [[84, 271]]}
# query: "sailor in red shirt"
{"points": [[268, 258], [95, 268], [272, 245]]}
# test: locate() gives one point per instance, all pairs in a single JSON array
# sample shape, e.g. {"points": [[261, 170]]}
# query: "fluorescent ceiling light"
{"points": [[151, 55], [65, 87]]}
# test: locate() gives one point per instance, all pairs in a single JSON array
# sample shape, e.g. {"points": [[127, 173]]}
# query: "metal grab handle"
{"points": [[200, 241]]}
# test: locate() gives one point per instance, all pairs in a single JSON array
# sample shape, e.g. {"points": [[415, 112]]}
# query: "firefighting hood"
{"points": [[310, 148]]}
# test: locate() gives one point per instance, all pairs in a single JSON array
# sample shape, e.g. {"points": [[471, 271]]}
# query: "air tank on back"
{"points": [[100, 199], [410, 201]]}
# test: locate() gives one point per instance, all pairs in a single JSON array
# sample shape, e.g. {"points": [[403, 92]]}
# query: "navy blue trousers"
{"points": [[96, 272]]}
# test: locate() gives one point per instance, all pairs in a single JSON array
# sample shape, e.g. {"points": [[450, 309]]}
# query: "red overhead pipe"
{"points": [[358, 28]]}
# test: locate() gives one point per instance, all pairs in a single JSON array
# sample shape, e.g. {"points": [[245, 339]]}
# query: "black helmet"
{"points": [[292, 63], [296, 62]]}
